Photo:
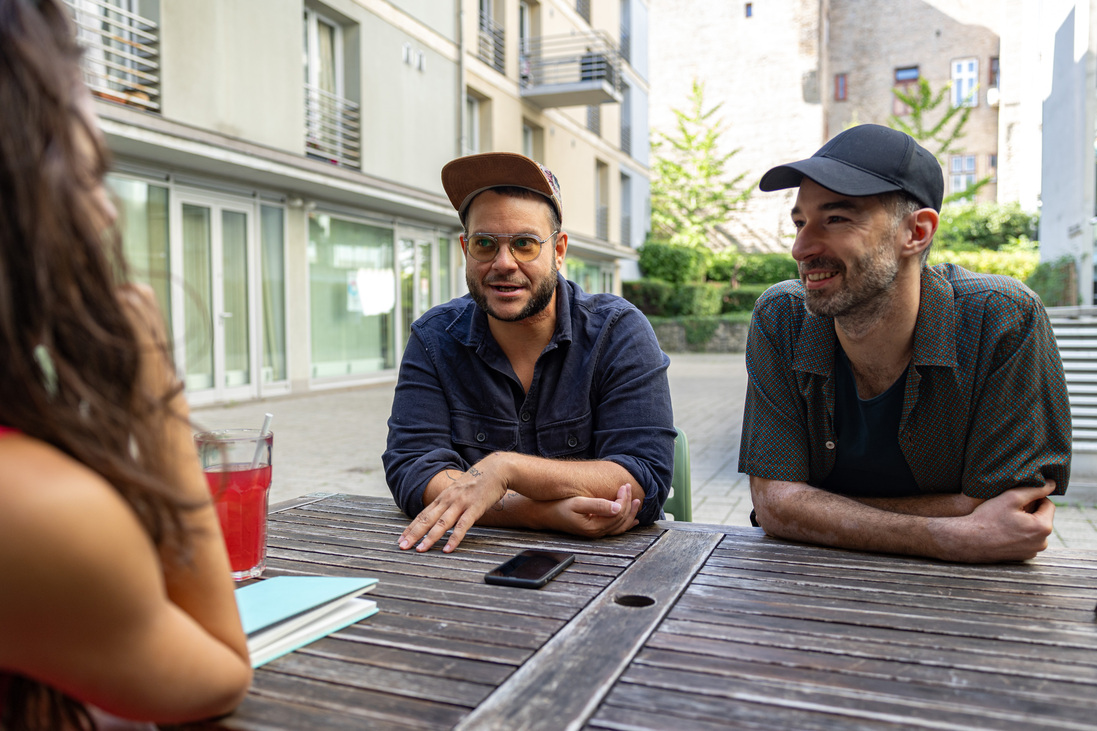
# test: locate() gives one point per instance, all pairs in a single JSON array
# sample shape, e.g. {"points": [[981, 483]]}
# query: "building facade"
{"points": [[276, 164], [1068, 216], [791, 74]]}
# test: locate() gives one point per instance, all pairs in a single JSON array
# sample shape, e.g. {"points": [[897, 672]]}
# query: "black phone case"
{"points": [[501, 580]]}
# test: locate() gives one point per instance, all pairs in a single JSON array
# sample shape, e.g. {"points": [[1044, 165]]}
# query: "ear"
{"points": [[922, 224], [561, 248]]}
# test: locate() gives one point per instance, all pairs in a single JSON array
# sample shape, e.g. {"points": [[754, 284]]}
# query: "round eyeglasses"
{"points": [[523, 247]]}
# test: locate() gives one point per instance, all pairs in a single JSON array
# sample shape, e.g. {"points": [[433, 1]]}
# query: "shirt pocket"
{"points": [[485, 434], [571, 438]]}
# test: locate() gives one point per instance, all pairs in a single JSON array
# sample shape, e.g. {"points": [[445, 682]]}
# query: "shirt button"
{"points": [[572, 441], [525, 416], [830, 445], [481, 436]]}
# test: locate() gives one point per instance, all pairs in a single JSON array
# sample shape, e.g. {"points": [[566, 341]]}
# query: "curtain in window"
{"points": [[272, 236], [198, 298]]}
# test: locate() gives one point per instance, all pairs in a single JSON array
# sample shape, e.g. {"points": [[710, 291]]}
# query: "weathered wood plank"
{"points": [[564, 682], [324, 705], [680, 710], [747, 663], [945, 656], [297, 502], [850, 616], [933, 707], [412, 657]]}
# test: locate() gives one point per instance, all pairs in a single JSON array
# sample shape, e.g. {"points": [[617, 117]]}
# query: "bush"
{"points": [[649, 295], [766, 268], [723, 266], [1016, 264], [742, 298], [673, 263], [1053, 281], [994, 226], [698, 300]]}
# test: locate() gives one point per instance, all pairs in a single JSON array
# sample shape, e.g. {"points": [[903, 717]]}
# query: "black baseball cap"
{"points": [[867, 160]]}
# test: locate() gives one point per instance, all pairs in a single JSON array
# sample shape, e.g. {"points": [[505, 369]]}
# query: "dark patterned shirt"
{"points": [[985, 407]]}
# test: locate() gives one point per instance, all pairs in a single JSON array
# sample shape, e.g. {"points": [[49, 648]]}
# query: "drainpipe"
{"points": [[461, 106]]}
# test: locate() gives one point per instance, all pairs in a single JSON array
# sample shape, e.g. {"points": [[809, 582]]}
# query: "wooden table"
{"points": [[675, 627]]}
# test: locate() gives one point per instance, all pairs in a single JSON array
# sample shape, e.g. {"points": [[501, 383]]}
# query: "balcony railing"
{"points": [[122, 53], [332, 128], [570, 70], [626, 139], [626, 229], [601, 223], [594, 119], [492, 43], [626, 43]]}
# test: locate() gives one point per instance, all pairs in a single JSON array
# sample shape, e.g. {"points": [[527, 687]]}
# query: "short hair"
{"points": [[515, 192], [900, 204]]}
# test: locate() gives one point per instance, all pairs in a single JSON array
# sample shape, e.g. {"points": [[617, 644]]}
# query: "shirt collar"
{"points": [[934, 331]]}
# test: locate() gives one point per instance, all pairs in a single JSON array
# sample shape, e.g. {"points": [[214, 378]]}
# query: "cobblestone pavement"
{"points": [[331, 441]]}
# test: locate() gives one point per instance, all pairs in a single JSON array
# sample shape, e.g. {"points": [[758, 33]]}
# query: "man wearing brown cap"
{"points": [[891, 406], [526, 402]]}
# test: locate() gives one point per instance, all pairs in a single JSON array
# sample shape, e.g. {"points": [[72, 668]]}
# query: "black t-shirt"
{"points": [[868, 461]]}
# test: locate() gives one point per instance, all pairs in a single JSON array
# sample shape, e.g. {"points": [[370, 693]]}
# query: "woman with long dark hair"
{"points": [[115, 590]]}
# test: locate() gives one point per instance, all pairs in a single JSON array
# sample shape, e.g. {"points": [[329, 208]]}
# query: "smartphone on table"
{"points": [[530, 569]]}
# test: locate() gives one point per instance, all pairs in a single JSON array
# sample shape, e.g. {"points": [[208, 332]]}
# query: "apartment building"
{"points": [[276, 163], [793, 73]]}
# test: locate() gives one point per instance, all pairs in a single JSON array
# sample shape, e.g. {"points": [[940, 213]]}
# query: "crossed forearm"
{"points": [[540, 479], [1015, 525]]}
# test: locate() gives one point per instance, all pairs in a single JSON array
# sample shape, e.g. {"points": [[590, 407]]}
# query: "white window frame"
{"points": [[313, 20], [961, 173], [472, 114], [965, 82]]}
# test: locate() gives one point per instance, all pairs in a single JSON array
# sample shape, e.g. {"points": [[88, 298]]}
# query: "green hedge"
{"points": [[1017, 264], [649, 295], [1052, 282], [742, 298], [656, 298], [674, 263], [767, 269]]}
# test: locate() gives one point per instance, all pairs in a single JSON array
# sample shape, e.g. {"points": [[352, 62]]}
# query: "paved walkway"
{"points": [[331, 441]]}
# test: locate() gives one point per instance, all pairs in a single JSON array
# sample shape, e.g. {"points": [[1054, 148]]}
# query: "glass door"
{"points": [[427, 274], [218, 311]]}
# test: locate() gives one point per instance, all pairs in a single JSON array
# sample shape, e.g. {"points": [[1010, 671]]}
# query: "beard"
{"points": [[541, 295], [867, 287]]}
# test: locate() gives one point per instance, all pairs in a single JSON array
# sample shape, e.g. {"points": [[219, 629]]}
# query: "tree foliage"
{"points": [[691, 190], [941, 137], [996, 226]]}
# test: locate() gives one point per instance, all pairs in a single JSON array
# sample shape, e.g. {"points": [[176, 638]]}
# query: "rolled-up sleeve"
{"points": [[634, 422], [419, 443]]}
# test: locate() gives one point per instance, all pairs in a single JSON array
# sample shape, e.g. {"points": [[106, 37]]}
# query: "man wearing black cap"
{"points": [[891, 406], [527, 402]]}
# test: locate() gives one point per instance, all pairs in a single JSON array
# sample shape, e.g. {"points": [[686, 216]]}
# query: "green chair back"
{"points": [[680, 504]]}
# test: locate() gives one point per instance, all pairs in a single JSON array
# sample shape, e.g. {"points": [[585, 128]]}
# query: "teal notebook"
{"points": [[287, 612]]}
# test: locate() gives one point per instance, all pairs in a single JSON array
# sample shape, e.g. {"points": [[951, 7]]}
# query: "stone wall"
{"points": [[727, 337]]}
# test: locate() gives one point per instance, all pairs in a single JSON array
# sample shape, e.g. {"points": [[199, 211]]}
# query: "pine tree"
{"points": [[940, 137], [691, 191]]}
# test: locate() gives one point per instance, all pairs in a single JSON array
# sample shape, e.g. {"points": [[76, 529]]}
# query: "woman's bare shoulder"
{"points": [[72, 551]]}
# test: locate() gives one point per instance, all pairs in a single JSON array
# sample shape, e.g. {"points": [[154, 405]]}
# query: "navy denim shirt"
{"points": [[599, 392]]}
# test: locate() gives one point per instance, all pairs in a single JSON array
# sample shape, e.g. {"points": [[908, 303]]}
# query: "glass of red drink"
{"points": [[237, 463]]}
